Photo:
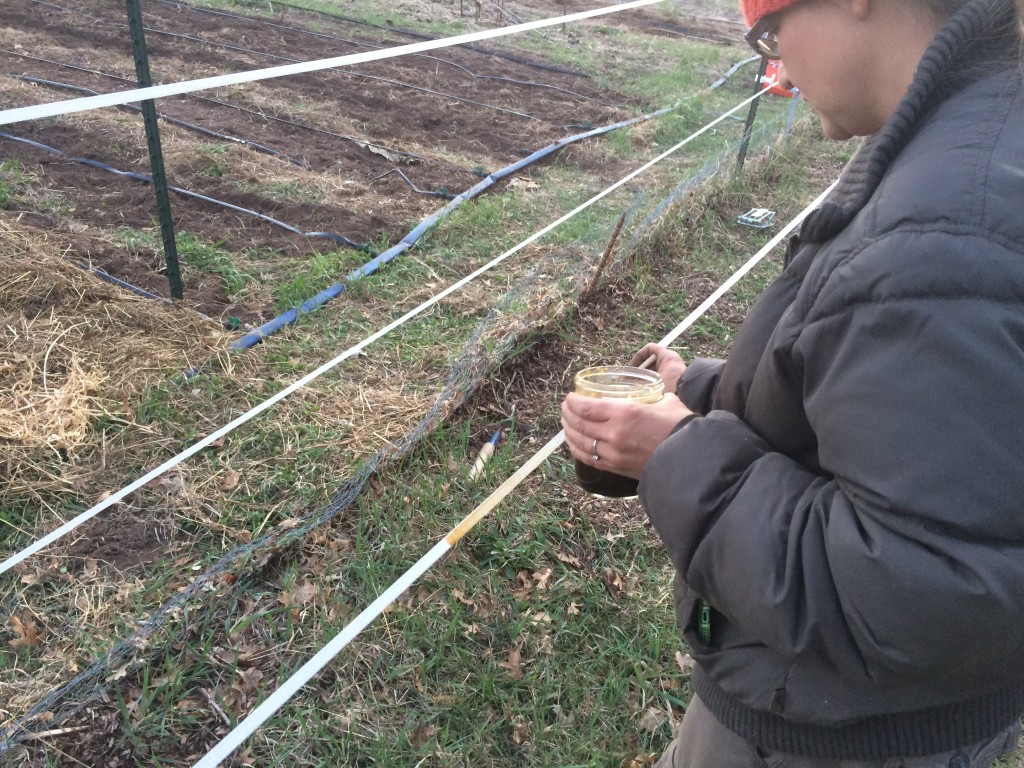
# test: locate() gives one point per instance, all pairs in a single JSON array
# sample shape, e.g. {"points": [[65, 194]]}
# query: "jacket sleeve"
{"points": [[904, 557], [696, 387]]}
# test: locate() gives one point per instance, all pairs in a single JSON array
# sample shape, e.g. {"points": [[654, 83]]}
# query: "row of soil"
{"points": [[340, 128]]}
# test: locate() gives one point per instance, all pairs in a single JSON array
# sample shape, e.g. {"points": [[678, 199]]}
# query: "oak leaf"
{"points": [[26, 631], [542, 576], [515, 671]]}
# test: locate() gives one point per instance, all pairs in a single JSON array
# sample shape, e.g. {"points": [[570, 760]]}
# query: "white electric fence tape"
{"points": [[69, 526], [223, 749], [52, 109]]}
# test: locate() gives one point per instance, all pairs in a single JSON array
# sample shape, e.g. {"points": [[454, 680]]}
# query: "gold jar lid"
{"points": [[622, 382]]}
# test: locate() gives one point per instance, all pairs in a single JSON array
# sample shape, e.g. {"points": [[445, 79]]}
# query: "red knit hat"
{"points": [[755, 9]]}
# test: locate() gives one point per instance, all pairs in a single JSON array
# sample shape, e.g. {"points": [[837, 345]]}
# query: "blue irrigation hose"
{"points": [[339, 239], [272, 326]]}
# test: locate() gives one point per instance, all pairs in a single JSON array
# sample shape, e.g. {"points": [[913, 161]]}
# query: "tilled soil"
{"points": [[443, 119]]}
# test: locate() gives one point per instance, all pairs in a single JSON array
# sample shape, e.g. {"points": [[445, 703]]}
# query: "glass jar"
{"points": [[619, 382]]}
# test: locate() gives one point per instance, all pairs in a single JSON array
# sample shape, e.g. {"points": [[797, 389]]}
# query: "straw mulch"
{"points": [[74, 349]]}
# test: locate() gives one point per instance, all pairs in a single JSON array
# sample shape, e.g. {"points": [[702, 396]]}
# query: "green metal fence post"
{"points": [[748, 129], [156, 156]]}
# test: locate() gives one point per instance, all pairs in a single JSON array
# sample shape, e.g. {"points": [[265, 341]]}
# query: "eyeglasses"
{"points": [[762, 36]]}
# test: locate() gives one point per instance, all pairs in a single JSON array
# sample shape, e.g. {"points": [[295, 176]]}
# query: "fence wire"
{"points": [[525, 308]]}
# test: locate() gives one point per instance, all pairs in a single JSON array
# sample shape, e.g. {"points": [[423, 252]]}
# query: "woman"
{"points": [[843, 499]]}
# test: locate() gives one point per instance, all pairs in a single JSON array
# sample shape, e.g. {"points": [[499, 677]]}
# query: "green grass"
{"points": [[520, 647], [517, 649], [196, 254], [322, 270], [12, 182]]}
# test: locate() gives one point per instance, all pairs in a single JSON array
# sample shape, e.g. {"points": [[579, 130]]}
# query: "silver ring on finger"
{"points": [[593, 451]]}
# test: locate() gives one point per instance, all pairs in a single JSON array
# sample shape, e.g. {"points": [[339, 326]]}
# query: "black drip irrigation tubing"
{"points": [[686, 34], [107, 277], [442, 60], [214, 134], [463, 378], [421, 36], [167, 118], [244, 110], [340, 239], [407, 180], [292, 315], [342, 70]]}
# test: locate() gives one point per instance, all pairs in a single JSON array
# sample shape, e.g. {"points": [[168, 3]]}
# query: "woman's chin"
{"points": [[832, 130]]}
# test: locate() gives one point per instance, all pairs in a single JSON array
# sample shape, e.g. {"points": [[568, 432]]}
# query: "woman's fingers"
{"points": [[668, 364], [650, 349], [626, 433]]}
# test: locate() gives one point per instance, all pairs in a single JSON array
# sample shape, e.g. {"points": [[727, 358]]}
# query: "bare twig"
{"points": [[592, 285], [215, 706]]}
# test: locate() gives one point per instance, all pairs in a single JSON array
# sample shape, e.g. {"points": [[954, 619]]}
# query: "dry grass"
{"points": [[74, 350]]}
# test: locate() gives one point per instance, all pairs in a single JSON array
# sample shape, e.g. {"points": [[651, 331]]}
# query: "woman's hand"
{"points": [[626, 433], [667, 363]]}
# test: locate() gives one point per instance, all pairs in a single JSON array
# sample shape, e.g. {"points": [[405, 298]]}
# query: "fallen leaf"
{"points": [[615, 583], [299, 594], [421, 734], [685, 662], [26, 631], [524, 183], [542, 576], [638, 761], [389, 156], [652, 720], [230, 480], [512, 665], [117, 674], [565, 557], [523, 586], [573, 609], [520, 732], [91, 567], [31, 579]]}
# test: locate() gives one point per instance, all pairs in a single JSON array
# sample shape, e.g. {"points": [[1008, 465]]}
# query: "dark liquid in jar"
{"points": [[604, 483]]}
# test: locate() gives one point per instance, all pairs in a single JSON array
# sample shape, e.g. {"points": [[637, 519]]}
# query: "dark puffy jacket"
{"points": [[851, 503]]}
